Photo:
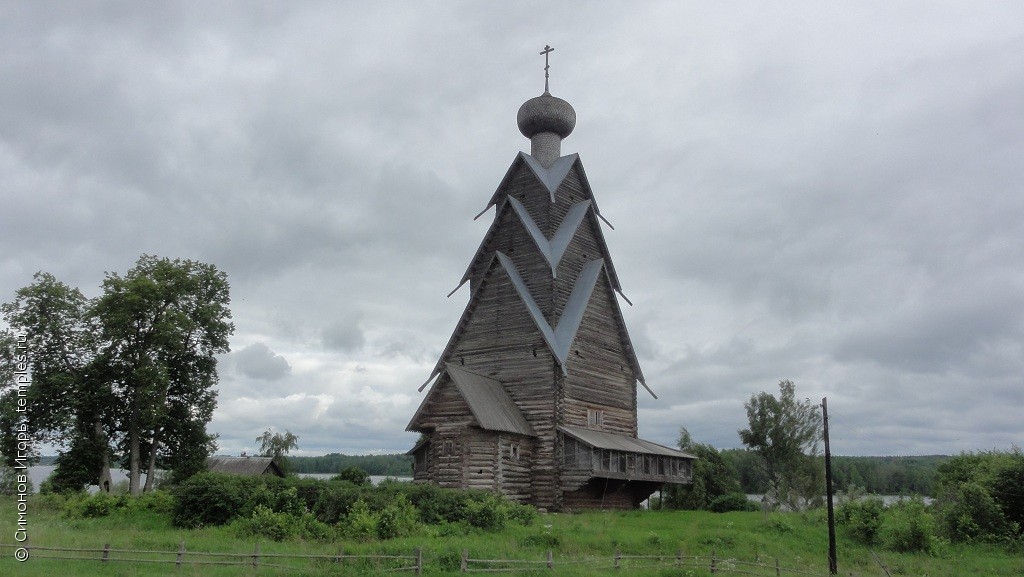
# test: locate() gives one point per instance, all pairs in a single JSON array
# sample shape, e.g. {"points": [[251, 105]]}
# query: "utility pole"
{"points": [[832, 568]]}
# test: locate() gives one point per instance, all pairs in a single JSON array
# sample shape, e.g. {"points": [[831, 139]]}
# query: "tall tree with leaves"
{"points": [[68, 403], [277, 446], [785, 433], [161, 325], [136, 365]]}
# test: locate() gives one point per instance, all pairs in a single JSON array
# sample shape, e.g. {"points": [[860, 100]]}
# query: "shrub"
{"points": [[92, 506], [208, 499], [437, 505], [907, 527], [862, 519], [732, 502], [968, 512], [280, 526], [360, 523], [334, 502], [397, 519], [489, 513], [353, 475]]}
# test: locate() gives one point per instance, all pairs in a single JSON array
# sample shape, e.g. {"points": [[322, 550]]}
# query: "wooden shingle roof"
{"points": [[251, 466]]}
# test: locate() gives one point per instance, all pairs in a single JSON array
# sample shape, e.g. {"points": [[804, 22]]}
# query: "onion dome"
{"points": [[546, 113], [546, 120]]}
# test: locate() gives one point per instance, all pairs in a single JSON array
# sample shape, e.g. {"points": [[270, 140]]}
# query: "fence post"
{"points": [[551, 560], [256, 556], [465, 560], [712, 560], [106, 552], [679, 557], [340, 557], [419, 561], [618, 557], [778, 571], [181, 554]]}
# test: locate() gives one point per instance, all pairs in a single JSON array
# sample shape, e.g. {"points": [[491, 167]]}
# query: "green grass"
{"points": [[797, 541]]}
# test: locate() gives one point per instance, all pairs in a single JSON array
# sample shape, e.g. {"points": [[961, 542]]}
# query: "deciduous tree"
{"points": [[133, 370], [785, 433], [277, 446]]}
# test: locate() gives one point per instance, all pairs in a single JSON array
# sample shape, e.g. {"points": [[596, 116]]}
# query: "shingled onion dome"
{"points": [[546, 120]]}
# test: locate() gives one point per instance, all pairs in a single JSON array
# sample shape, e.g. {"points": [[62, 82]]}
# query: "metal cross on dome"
{"points": [[547, 50]]}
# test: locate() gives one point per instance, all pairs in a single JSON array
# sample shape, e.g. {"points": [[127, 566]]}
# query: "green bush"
{"points": [[280, 526], [968, 512], [397, 519], [907, 527], [353, 475], [490, 513], [209, 499], [732, 502], [437, 505], [93, 506], [862, 519], [334, 502], [361, 522]]}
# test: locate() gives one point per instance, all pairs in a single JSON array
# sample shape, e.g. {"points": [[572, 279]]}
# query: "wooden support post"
{"points": [[465, 560], [256, 556], [419, 561], [106, 552], [340, 557], [778, 570], [551, 560], [712, 560], [618, 558], [181, 555], [833, 569], [679, 557]]}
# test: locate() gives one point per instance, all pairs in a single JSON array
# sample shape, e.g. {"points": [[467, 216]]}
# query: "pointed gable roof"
{"points": [[551, 178], [559, 339], [487, 399]]}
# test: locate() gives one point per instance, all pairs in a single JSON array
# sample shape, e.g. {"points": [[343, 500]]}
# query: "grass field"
{"points": [[798, 542]]}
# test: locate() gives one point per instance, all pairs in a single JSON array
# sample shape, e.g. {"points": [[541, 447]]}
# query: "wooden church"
{"points": [[535, 394]]}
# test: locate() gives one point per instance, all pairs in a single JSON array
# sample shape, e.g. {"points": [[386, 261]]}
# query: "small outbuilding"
{"points": [[248, 466]]}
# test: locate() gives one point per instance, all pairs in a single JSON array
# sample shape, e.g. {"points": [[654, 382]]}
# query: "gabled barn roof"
{"points": [[252, 466]]}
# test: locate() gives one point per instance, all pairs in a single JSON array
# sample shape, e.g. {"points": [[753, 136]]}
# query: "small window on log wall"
{"points": [[595, 417], [449, 447], [513, 451]]}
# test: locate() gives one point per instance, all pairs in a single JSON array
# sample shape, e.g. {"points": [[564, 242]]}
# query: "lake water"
{"points": [[39, 473]]}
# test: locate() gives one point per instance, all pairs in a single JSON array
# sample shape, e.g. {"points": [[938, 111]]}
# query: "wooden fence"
{"points": [[618, 562], [414, 562], [255, 559]]}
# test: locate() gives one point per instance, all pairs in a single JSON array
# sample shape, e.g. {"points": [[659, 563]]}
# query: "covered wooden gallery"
{"points": [[535, 394]]}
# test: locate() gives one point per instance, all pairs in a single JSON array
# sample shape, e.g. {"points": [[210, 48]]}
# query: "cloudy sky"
{"points": [[824, 192]]}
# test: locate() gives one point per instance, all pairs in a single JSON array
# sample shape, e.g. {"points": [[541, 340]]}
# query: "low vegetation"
{"points": [[218, 513]]}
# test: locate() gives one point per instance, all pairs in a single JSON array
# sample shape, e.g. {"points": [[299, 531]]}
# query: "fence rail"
{"points": [[255, 559], [401, 563]]}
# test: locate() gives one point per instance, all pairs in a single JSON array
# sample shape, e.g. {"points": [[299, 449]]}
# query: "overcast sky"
{"points": [[824, 192]]}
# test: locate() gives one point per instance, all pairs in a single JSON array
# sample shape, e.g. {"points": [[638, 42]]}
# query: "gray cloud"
{"points": [[806, 193], [257, 361]]}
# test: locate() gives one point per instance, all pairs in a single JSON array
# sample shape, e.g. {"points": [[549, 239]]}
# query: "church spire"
{"points": [[546, 120]]}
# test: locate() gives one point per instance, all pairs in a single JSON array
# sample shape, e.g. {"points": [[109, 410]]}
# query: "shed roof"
{"points": [[487, 399], [612, 441], [244, 465]]}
